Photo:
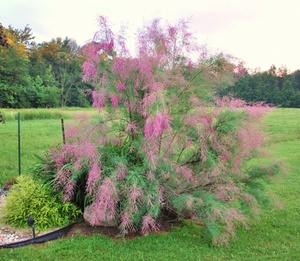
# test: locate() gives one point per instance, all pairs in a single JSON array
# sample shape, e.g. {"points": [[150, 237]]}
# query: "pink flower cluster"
{"points": [[99, 99], [155, 126], [94, 177], [104, 206], [255, 109], [149, 224], [89, 70]]}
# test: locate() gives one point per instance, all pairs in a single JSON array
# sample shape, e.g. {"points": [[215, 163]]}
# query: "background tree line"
{"points": [[49, 74], [40, 75], [275, 86]]}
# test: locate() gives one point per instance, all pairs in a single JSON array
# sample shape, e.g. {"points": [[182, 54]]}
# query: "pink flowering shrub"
{"points": [[157, 147]]}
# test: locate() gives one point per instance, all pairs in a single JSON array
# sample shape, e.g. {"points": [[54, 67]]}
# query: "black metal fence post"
{"points": [[19, 142], [63, 131]]}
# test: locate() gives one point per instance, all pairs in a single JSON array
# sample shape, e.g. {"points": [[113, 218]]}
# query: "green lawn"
{"points": [[39, 129], [274, 233], [36, 136]]}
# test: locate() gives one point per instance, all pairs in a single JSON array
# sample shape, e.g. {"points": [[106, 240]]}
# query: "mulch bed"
{"points": [[113, 232]]}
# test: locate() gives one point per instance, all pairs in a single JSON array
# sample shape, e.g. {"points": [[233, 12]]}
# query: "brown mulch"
{"points": [[113, 232]]}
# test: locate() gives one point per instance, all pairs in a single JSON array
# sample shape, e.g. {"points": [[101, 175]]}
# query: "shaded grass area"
{"points": [[42, 114], [274, 234]]}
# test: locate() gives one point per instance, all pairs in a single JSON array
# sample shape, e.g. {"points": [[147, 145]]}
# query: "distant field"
{"points": [[274, 233], [44, 114]]}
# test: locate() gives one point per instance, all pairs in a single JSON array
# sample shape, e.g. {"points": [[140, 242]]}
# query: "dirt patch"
{"points": [[113, 232]]}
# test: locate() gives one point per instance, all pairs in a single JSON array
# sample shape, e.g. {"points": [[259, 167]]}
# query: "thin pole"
{"points": [[19, 142], [33, 231], [63, 131]]}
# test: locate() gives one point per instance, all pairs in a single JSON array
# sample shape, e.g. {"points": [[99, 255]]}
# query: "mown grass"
{"points": [[39, 129], [274, 233]]}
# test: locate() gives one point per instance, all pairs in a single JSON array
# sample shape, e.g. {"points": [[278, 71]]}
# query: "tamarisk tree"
{"points": [[156, 148]]}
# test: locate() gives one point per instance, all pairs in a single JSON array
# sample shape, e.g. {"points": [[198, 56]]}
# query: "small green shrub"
{"points": [[28, 197]]}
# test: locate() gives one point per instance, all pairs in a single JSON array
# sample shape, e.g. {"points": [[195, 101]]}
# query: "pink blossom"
{"points": [[62, 176], [104, 78], [195, 100], [131, 128], [71, 131], [147, 101], [121, 86], [115, 140], [94, 177], [114, 99], [149, 224], [107, 44], [91, 51], [120, 68], [161, 200], [186, 172], [86, 150], [206, 121], [151, 156], [121, 171], [256, 110], [155, 86], [60, 161], [98, 99], [249, 138], [172, 31], [130, 105], [105, 205], [135, 194], [228, 101], [155, 126], [227, 191], [89, 71], [150, 175], [69, 190], [145, 68], [126, 223]]}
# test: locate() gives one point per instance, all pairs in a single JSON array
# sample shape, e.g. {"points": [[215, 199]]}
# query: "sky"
{"points": [[259, 32]]}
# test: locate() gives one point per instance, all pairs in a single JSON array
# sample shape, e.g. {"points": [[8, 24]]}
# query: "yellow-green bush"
{"points": [[28, 197]]}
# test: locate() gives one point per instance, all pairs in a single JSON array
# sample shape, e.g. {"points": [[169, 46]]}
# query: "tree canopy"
{"points": [[57, 64], [274, 86], [35, 75]]}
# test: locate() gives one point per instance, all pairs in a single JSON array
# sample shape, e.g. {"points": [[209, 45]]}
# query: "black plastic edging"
{"points": [[41, 239]]}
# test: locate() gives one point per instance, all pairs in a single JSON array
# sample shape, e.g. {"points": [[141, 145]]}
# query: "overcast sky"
{"points": [[259, 32]]}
